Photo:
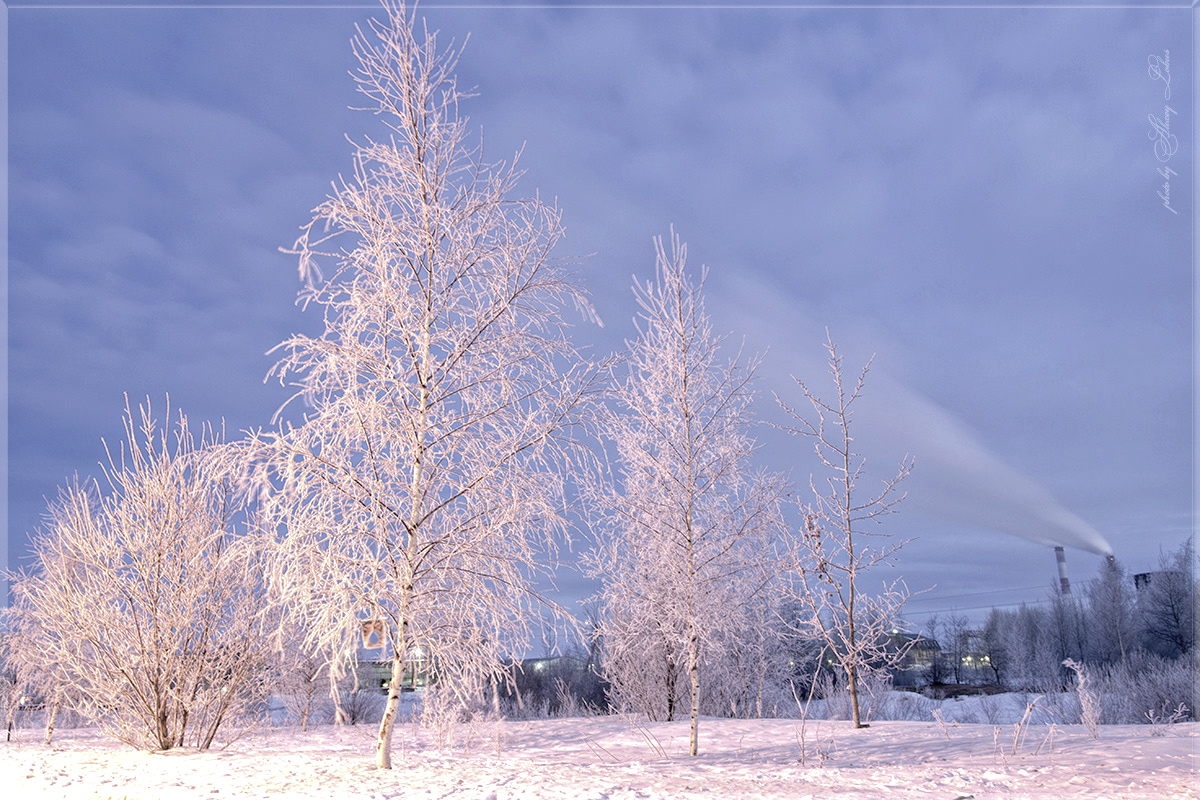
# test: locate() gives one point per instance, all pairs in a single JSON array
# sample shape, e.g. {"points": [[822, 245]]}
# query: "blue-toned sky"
{"points": [[971, 194]]}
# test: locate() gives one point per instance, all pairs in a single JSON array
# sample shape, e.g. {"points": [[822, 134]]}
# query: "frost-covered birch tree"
{"points": [[689, 524], [834, 549], [146, 607], [1112, 622], [437, 436]]}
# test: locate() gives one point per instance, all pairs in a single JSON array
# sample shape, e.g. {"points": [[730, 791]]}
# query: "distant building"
{"points": [[377, 673], [418, 672], [1142, 581], [922, 651]]}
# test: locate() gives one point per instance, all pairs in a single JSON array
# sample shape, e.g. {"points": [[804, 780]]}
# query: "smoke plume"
{"points": [[961, 480], [956, 477]]}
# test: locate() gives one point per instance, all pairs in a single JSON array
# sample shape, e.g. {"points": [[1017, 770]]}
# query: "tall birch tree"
{"points": [[437, 436], [690, 523]]}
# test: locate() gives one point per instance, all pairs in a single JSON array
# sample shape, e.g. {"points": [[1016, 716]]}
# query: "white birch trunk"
{"points": [[383, 751], [51, 719], [694, 675]]}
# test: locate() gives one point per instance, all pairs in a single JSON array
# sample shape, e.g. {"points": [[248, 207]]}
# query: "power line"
{"points": [[1042, 601], [1048, 586], [940, 598]]}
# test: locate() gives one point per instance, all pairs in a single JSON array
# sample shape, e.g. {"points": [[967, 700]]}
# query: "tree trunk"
{"points": [[383, 754], [758, 705], [306, 709], [14, 706], [335, 694], [165, 739], [671, 678], [517, 691], [852, 677], [50, 720], [694, 673]]}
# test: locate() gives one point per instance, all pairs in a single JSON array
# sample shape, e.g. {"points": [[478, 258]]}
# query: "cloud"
{"points": [[966, 192]]}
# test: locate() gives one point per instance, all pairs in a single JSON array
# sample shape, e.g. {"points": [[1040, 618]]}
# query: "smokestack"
{"points": [[1060, 556]]}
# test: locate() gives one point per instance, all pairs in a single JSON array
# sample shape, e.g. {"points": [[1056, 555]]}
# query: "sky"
{"points": [[980, 198]]}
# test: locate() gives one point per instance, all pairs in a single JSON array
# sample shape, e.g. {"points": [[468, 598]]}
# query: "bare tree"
{"points": [[690, 525], [145, 609], [957, 644], [430, 465], [1067, 622], [936, 672], [994, 645], [1167, 601], [830, 555]]}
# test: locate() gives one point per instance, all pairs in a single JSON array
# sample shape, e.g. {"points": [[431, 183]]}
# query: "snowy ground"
{"points": [[617, 758]]}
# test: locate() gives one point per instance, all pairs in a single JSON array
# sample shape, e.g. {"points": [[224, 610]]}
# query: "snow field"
{"points": [[620, 758]]}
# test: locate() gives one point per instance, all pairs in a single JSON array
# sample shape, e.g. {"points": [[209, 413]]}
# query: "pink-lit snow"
{"points": [[619, 757]]}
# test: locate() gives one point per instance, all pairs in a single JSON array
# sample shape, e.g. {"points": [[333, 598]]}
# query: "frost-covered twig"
{"points": [[1159, 721], [1089, 701], [1020, 728]]}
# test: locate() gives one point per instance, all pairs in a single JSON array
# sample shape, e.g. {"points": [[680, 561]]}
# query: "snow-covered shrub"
{"points": [[905, 706], [304, 702], [484, 728], [874, 693], [641, 669], [303, 676], [1143, 683], [990, 708], [361, 705], [441, 713], [877, 699], [748, 665], [355, 693], [831, 690], [146, 608]]}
